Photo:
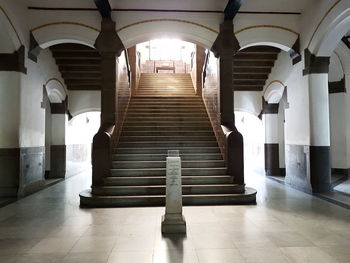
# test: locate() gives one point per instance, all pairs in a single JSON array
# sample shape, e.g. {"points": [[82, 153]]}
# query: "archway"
{"points": [[252, 129], [80, 132]]}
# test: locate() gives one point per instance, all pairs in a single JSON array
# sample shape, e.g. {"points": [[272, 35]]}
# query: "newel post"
{"points": [[109, 45], [224, 48]]}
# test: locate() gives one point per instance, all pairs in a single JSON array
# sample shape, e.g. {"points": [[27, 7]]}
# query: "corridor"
{"points": [[285, 226]]}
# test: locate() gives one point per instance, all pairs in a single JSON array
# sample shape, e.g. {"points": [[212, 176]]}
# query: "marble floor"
{"points": [[285, 226], [343, 187]]}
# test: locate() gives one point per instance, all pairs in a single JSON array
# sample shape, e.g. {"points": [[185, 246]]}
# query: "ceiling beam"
{"points": [[104, 7], [232, 8], [346, 41]]}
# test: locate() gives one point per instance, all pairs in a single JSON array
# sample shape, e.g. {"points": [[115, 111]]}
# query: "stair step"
{"points": [[167, 133], [167, 114], [170, 144], [160, 189], [162, 171], [168, 123], [177, 138], [153, 128], [163, 107], [89, 200], [162, 111], [162, 164], [162, 150], [167, 119], [162, 157], [160, 180], [156, 98]]}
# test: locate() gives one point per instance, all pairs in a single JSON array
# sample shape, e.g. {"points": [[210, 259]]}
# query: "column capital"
{"points": [[315, 65], [226, 43], [108, 40], [59, 108], [269, 108]]}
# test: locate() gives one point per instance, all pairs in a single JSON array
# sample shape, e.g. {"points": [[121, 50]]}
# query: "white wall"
{"points": [[59, 124], [9, 108], [296, 131], [248, 101], [337, 116], [32, 115], [81, 101]]}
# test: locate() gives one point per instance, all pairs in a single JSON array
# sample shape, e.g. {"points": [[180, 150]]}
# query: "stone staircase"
{"points": [[167, 115]]}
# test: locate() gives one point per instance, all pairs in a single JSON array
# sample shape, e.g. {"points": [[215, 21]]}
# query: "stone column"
{"points": [[133, 68], [320, 166], [224, 48], [200, 57], [59, 122], [271, 139], [110, 47]]}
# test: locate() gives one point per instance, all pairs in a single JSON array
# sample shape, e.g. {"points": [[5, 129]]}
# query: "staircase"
{"points": [[167, 115]]}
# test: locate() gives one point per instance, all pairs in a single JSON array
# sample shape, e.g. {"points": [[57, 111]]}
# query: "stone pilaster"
{"points": [[109, 45], [270, 111], [317, 69]]}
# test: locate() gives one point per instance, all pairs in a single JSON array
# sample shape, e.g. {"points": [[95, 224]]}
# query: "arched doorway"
{"points": [[80, 132], [253, 131]]}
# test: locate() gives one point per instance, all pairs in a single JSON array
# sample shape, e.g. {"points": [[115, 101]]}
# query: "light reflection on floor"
{"points": [[285, 226]]}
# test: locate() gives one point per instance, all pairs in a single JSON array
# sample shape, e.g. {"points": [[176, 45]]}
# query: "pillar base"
{"points": [[173, 224], [320, 169]]}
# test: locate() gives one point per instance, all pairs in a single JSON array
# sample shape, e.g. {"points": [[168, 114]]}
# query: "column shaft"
{"points": [[271, 145], [320, 166], [109, 91]]}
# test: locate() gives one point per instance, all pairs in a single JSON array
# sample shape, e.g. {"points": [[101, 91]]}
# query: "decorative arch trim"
{"points": [[63, 96], [267, 26], [168, 20], [64, 23], [12, 25], [54, 79], [321, 21], [275, 81]]}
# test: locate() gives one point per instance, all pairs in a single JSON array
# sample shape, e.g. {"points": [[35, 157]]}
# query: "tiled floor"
{"points": [[344, 187], [285, 226]]}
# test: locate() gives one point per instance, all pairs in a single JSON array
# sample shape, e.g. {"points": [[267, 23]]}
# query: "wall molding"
{"points": [[269, 108], [13, 61], [12, 25], [167, 20], [64, 23], [321, 21], [315, 65], [59, 108], [337, 86], [266, 26]]}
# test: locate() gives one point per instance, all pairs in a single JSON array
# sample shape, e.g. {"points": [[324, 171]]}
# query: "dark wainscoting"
{"points": [[298, 167], [9, 172], [32, 170], [320, 168], [272, 159], [58, 162]]}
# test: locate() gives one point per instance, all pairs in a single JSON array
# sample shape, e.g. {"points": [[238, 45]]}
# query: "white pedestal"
{"points": [[173, 222]]}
